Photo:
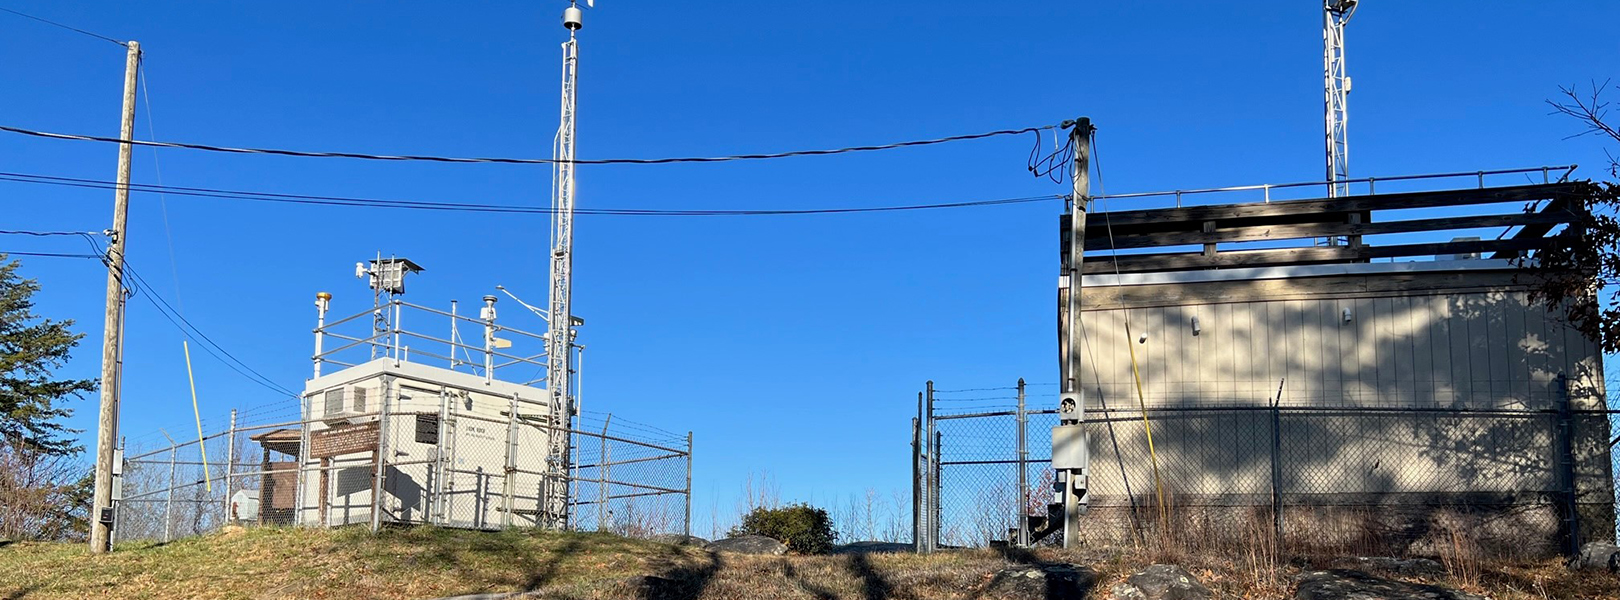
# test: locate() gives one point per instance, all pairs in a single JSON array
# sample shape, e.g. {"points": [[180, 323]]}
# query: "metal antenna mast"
{"points": [[560, 326], [1335, 15]]}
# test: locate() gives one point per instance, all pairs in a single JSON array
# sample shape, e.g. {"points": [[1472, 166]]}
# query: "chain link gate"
{"points": [[1374, 475]]}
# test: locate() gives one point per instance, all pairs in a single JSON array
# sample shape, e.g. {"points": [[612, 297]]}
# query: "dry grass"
{"points": [[428, 562]]}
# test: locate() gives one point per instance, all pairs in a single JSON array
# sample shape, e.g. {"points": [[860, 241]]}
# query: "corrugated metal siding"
{"points": [[1480, 350]]}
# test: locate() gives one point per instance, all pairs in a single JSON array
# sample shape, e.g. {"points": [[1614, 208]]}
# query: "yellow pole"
{"points": [[207, 482], [1141, 404]]}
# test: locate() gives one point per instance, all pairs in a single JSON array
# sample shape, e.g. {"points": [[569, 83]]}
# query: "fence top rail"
{"points": [[998, 413], [579, 432]]}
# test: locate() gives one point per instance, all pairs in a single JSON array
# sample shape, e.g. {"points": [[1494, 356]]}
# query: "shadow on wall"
{"points": [[1442, 406]]}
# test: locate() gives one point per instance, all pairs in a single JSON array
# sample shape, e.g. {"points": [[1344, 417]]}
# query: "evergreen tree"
{"points": [[32, 400]]}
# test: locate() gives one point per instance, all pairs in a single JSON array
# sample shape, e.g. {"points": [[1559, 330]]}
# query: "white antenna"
{"points": [[1335, 14], [560, 325]]}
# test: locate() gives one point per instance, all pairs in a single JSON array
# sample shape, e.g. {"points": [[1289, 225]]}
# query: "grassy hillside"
{"points": [[429, 563]]}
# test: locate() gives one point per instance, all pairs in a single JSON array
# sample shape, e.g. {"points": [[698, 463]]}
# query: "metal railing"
{"points": [[1371, 183]]}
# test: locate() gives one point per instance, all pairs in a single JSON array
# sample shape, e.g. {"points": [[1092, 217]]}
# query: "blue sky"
{"points": [[792, 345]]}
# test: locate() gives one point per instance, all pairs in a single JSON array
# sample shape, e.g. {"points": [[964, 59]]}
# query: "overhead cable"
{"points": [[526, 161], [186, 327], [493, 208], [46, 233], [10, 253], [67, 27]]}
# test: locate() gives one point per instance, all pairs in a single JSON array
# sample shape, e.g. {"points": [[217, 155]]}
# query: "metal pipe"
{"points": [[930, 474], [601, 475], [299, 484], [381, 453], [230, 457], [439, 499], [510, 465], [394, 325], [322, 301], [916, 478], [1023, 472], [453, 335], [636, 460], [488, 315], [938, 507], [168, 506], [687, 525]]}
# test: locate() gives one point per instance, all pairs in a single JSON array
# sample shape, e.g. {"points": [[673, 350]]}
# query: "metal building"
{"points": [[1391, 384]]}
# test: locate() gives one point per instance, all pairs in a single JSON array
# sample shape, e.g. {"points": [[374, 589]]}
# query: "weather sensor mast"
{"points": [[560, 323], [1335, 15]]}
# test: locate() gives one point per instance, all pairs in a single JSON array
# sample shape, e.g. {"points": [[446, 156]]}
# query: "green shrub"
{"points": [[802, 528]]}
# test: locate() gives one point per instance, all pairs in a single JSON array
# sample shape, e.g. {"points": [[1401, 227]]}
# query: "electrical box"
{"points": [[1069, 407], [1071, 447]]}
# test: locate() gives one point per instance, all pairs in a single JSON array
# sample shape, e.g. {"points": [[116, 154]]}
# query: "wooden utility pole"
{"points": [[1073, 466], [112, 343]]}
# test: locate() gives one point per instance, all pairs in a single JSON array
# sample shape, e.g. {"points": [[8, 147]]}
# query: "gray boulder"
{"points": [[871, 548], [1161, 582], [1420, 567], [748, 544], [1027, 582], [1346, 584], [1599, 556]]}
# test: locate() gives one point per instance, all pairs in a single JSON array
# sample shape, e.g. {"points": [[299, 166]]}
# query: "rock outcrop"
{"points": [[1346, 584], [1161, 582], [748, 544]]}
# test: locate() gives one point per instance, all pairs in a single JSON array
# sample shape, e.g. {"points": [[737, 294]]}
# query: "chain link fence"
{"points": [[1370, 475], [399, 465]]}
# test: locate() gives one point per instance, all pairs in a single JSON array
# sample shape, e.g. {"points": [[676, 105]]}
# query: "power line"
{"points": [[67, 27], [492, 208], [187, 328], [9, 253], [46, 233], [528, 161]]}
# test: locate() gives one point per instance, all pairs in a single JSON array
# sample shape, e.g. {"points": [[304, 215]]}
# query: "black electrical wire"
{"points": [[67, 27], [526, 161], [186, 327], [491, 208], [41, 233], [9, 253]]}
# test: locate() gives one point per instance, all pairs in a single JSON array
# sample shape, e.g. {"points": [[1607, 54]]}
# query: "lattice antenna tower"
{"points": [[560, 322], [1335, 15]]}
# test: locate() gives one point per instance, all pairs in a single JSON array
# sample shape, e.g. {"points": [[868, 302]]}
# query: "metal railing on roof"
{"points": [[1371, 182]]}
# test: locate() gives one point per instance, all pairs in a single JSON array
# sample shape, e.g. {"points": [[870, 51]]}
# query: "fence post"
{"points": [[916, 477], [230, 462], [1566, 466], [436, 500], [939, 512], [168, 502], [300, 487], [601, 478], [931, 476], [1276, 467], [380, 455], [1023, 472], [686, 526], [510, 470]]}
